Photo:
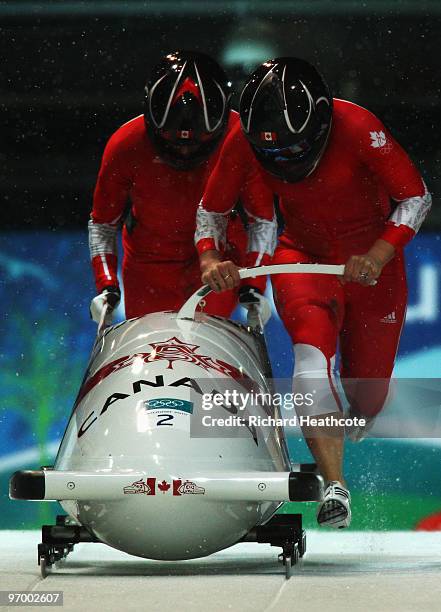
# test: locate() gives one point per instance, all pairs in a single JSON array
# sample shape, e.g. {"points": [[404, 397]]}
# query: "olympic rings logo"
{"points": [[165, 403]]}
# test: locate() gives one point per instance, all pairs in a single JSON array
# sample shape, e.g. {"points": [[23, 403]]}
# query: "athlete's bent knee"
{"points": [[314, 378]]}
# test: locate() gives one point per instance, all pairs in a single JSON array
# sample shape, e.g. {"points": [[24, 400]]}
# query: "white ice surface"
{"points": [[344, 571]]}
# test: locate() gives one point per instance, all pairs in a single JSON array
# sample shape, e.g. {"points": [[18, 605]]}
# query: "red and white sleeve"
{"points": [[104, 253], [109, 201], [407, 218]]}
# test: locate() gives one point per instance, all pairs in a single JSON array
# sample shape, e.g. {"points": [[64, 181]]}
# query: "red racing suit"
{"points": [[340, 210], [160, 267]]}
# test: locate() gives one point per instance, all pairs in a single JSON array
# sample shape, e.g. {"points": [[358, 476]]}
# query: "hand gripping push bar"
{"points": [[189, 308]]}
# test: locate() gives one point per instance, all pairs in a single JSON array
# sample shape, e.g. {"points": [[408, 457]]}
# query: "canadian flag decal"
{"points": [[184, 134], [268, 136], [148, 487]]}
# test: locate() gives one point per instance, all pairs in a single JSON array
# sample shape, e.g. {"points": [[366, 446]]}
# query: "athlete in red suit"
{"points": [[158, 163], [336, 168]]}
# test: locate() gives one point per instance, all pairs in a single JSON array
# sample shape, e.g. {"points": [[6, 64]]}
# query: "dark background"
{"points": [[72, 72]]}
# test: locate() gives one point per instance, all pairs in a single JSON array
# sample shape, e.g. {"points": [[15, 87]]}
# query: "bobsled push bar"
{"points": [[58, 485], [188, 309]]}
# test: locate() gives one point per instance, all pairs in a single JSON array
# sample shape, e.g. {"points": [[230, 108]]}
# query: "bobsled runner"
{"points": [[136, 468]]}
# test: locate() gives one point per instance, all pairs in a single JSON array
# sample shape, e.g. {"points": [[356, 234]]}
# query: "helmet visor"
{"points": [[294, 153], [296, 161], [292, 163]]}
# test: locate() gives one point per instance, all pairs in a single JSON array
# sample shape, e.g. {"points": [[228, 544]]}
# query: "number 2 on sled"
{"points": [[164, 419]]}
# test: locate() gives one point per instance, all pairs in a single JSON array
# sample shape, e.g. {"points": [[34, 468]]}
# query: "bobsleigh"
{"points": [[136, 468]]}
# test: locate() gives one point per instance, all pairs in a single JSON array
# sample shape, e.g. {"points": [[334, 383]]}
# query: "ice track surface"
{"points": [[354, 571]]}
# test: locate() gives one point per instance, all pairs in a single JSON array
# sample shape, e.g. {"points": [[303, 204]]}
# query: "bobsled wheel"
{"points": [[47, 557], [288, 567], [44, 559], [302, 544], [289, 558], [42, 562]]}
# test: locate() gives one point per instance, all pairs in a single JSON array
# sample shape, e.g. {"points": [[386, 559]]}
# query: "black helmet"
{"points": [[186, 107], [286, 114]]}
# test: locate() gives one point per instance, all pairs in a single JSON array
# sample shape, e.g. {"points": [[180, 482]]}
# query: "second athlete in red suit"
{"points": [[349, 194]]}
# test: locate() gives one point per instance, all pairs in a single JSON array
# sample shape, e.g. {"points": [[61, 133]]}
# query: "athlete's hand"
{"points": [[109, 295], [251, 297], [363, 269], [220, 275]]}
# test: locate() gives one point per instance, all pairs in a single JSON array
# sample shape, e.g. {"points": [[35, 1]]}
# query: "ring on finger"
{"points": [[364, 275], [227, 276]]}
